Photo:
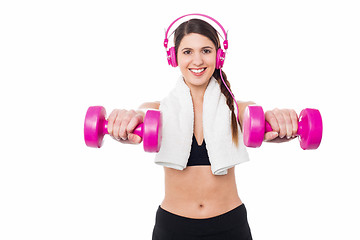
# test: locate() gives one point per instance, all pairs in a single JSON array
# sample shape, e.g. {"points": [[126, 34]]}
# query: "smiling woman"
{"points": [[201, 140], [198, 203], [199, 56]]}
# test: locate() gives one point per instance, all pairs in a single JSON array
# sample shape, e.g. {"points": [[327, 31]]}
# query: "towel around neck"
{"points": [[178, 127]]}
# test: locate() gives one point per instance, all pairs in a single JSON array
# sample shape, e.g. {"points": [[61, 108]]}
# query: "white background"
{"points": [[59, 57]]}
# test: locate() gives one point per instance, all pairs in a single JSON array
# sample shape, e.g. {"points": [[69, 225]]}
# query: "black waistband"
{"points": [[223, 222]]}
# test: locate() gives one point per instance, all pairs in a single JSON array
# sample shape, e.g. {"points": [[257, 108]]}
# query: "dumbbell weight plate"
{"points": [[253, 126], [152, 133], [310, 128], [95, 126]]}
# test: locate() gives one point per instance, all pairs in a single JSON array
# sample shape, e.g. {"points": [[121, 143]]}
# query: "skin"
{"points": [[195, 192]]}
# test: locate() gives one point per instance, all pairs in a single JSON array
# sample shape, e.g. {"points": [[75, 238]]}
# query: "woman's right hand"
{"points": [[121, 124]]}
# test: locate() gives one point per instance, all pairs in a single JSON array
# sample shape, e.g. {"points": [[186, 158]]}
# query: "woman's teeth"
{"points": [[197, 70]]}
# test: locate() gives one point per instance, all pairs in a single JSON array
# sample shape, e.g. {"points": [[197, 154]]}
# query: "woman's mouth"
{"points": [[197, 71]]}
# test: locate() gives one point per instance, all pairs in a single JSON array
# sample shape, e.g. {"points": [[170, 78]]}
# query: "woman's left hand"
{"points": [[284, 123]]}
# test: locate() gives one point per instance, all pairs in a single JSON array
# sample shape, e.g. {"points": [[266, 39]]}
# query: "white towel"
{"points": [[178, 127]]}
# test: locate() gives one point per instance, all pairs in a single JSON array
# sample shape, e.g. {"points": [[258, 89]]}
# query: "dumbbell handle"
{"points": [[138, 130], [268, 128]]}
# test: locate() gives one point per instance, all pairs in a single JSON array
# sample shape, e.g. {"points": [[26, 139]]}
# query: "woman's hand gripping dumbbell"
{"points": [[124, 126], [309, 129]]}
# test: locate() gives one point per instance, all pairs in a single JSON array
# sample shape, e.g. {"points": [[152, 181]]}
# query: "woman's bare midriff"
{"points": [[196, 193]]}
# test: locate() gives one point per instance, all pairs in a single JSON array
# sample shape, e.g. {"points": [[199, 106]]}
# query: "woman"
{"points": [[197, 203]]}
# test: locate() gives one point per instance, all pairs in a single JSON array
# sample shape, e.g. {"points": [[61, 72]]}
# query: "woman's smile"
{"points": [[197, 71]]}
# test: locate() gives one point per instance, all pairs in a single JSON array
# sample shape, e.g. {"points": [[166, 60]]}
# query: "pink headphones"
{"points": [[171, 54]]}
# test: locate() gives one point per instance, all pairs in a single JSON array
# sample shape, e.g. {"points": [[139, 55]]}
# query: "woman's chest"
{"points": [[198, 125]]}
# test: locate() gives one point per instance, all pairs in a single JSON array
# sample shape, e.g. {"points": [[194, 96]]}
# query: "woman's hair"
{"points": [[201, 27]]}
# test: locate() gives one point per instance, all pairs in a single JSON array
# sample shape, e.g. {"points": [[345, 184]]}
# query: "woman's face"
{"points": [[196, 58]]}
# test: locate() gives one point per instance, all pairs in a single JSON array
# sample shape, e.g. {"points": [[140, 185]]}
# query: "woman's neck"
{"points": [[197, 93], [197, 96]]}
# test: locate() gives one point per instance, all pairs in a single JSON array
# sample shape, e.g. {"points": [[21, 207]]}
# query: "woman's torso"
{"points": [[195, 192]]}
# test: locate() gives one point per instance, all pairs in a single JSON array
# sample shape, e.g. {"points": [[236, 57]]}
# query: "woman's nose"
{"points": [[198, 60]]}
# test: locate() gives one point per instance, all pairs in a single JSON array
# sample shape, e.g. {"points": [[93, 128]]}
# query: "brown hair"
{"points": [[205, 29]]}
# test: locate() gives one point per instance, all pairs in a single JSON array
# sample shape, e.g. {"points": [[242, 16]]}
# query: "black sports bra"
{"points": [[198, 154]]}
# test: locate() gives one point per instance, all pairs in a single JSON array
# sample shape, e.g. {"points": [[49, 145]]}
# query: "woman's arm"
{"points": [[150, 105]]}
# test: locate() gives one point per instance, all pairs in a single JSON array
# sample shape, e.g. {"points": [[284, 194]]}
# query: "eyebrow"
{"points": [[201, 48]]}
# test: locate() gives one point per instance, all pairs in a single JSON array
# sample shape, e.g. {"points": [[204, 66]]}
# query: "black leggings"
{"points": [[232, 225]]}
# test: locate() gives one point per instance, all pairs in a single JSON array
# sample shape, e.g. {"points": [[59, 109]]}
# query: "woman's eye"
{"points": [[206, 51], [187, 52]]}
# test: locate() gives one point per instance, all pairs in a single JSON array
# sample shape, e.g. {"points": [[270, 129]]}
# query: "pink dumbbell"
{"points": [[309, 127], [95, 127]]}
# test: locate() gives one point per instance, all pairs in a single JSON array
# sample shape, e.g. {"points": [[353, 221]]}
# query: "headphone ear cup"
{"points": [[172, 57], [220, 58]]}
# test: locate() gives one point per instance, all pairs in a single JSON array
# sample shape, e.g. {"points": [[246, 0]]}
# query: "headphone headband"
{"points": [[225, 43]]}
